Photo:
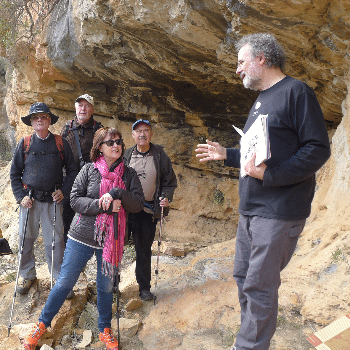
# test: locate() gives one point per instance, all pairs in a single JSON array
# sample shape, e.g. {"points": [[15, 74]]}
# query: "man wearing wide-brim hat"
{"points": [[37, 166]]}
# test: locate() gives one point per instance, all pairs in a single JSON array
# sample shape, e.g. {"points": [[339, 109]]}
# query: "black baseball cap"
{"points": [[39, 107], [141, 121]]}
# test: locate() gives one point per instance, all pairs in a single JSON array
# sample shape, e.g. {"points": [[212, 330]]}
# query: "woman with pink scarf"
{"points": [[102, 188]]}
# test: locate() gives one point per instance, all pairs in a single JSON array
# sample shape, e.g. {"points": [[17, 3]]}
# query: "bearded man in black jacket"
{"points": [[276, 195]]}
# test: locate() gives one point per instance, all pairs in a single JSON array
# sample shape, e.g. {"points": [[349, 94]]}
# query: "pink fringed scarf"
{"points": [[104, 225]]}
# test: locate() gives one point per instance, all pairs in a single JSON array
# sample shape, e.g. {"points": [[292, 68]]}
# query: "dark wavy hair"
{"points": [[98, 139], [267, 44]]}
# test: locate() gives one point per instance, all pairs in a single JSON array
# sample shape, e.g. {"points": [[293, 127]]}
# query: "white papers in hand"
{"points": [[256, 139]]}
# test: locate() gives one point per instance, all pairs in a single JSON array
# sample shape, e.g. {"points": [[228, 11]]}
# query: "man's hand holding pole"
{"points": [[57, 196], [27, 202], [164, 202]]}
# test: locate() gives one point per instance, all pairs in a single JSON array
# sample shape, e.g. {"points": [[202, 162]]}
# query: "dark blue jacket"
{"points": [[42, 168]]}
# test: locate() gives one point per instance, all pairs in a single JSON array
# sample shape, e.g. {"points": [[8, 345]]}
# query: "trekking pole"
{"points": [[53, 238], [116, 281], [159, 243], [19, 262]]}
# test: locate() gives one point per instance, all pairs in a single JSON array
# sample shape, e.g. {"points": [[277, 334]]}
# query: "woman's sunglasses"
{"points": [[110, 143]]}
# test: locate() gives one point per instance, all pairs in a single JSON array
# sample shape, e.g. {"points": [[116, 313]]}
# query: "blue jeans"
{"points": [[75, 259]]}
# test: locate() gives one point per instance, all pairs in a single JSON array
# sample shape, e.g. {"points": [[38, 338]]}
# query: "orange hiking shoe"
{"points": [[32, 339], [108, 338]]}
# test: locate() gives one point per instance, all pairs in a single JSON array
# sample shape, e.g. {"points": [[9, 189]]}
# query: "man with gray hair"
{"points": [[38, 165], [158, 180], [276, 195], [79, 133]]}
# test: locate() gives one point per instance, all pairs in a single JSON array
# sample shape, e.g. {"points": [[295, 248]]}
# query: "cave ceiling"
{"points": [[171, 59]]}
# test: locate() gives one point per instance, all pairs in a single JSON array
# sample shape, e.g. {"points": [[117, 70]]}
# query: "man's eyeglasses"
{"points": [[145, 131], [42, 117], [110, 143]]}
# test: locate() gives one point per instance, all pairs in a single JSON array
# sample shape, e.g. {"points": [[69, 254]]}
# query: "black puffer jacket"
{"points": [[85, 197]]}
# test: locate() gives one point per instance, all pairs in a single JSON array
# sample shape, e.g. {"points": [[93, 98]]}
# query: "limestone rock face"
{"points": [[173, 58], [174, 64], [174, 61]]}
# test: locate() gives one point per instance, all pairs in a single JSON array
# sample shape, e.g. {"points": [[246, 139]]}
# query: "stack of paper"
{"points": [[255, 140], [336, 336]]}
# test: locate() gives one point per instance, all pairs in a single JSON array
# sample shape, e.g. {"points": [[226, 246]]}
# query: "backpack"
{"points": [[4, 247], [59, 144]]}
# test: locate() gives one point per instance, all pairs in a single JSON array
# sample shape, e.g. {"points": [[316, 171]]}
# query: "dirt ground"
{"points": [[290, 333]]}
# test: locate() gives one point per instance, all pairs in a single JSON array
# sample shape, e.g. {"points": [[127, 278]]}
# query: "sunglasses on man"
{"points": [[37, 117]]}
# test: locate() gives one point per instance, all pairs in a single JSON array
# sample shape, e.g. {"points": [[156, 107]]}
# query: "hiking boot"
{"points": [[108, 338], [31, 341], [25, 284], [70, 295], [146, 295]]}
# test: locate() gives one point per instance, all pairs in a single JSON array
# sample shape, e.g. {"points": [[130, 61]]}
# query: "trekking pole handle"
{"points": [[162, 197], [24, 202]]}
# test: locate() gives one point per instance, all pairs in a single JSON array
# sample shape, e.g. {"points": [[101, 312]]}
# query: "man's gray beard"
{"points": [[251, 84]]}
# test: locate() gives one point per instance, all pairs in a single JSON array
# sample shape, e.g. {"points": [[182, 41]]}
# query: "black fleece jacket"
{"points": [[299, 146]]}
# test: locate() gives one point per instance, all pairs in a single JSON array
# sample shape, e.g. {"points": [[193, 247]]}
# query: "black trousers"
{"points": [[67, 215], [143, 230]]}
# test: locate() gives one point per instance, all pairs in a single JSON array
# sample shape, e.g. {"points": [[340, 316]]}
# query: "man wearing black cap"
{"points": [[158, 181], [37, 165], [79, 133]]}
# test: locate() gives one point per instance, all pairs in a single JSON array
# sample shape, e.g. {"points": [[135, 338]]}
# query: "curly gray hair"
{"points": [[264, 43]]}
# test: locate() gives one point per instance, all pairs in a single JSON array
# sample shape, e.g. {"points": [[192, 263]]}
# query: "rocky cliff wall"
{"points": [[174, 63], [175, 59]]}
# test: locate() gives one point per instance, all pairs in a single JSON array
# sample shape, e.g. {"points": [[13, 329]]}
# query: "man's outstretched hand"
{"points": [[210, 151]]}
